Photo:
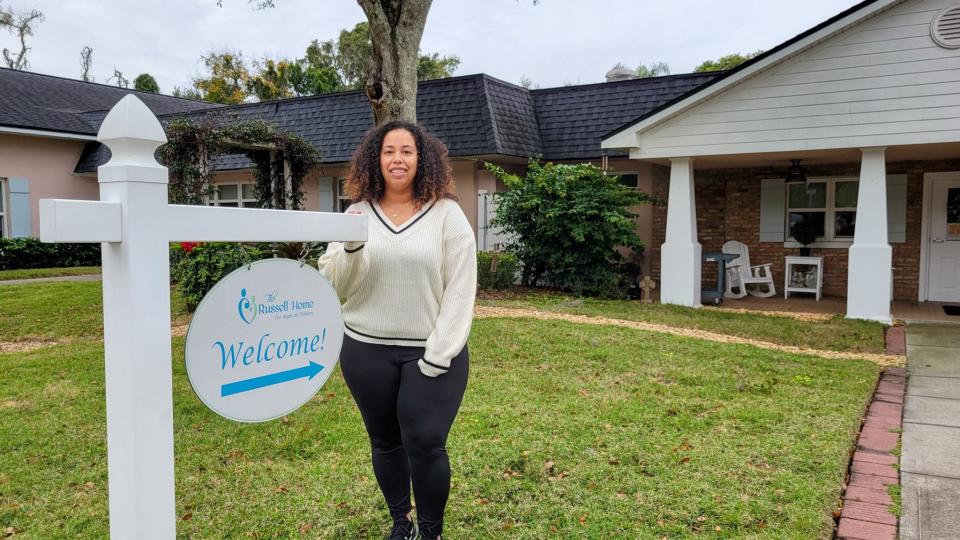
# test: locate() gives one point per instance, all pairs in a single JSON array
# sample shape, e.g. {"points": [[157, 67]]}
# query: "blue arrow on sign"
{"points": [[309, 371]]}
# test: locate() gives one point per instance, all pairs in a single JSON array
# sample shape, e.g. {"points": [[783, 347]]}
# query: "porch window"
{"points": [[3, 208], [831, 204], [234, 196], [631, 180]]}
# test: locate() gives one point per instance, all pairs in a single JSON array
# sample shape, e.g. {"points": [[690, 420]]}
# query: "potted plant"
{"points": [[804, 232]]}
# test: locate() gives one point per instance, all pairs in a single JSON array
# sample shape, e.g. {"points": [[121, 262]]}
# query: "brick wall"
{"points": [[728, 208]]}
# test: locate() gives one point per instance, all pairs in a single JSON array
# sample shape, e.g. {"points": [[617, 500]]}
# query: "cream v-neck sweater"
{"points": [[413, 284]]}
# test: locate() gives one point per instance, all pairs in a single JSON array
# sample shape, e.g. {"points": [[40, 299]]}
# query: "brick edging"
{"points": [[895, 339], [865, 514]]}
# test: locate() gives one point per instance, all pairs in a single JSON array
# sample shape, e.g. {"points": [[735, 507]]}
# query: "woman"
{"points": [[409, 295]]}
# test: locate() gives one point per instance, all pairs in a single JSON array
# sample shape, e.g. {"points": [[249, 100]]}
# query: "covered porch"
{"points": [[863, 93], [874, 208]]}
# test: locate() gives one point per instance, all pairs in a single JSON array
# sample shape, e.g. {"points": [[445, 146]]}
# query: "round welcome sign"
{"points": [[264, 340]]}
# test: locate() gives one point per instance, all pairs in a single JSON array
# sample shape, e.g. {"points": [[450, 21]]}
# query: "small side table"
{"points": [[722, 260], [803, 274]]}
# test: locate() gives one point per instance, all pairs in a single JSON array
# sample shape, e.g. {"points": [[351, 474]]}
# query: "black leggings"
{"points": [[408, 416]]}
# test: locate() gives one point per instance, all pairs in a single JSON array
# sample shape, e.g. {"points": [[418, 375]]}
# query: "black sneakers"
{"points": [[404, 529]]}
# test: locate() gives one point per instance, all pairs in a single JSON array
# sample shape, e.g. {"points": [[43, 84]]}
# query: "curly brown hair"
{"points": [[434, 177]]}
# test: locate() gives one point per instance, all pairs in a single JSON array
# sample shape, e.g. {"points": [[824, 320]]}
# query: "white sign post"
{"points": [[135, 225]]}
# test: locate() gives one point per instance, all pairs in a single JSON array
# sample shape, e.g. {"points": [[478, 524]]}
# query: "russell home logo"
{"points": [[247, 307]]}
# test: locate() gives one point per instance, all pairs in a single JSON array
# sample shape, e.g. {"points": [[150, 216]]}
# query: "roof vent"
{"points": [[945, 29]]}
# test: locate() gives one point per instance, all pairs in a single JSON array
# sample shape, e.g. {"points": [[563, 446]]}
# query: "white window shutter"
{"points": [[488, 238], [483, 223], [326, 194], [772, 209], [20, 220], [896, 208]]}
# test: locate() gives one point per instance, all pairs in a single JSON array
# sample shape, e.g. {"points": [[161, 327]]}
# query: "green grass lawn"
{"points": [[566, 431], [30, 273], [58, 310], [836, 334]]}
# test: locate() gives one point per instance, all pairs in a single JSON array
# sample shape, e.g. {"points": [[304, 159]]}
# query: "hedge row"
{"points": [[21, 253]]}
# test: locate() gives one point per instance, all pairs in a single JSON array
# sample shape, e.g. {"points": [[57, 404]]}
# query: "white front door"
{"points": [[944, 266]]}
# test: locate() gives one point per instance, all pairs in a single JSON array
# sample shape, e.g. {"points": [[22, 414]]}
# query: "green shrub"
{"points": [[176, 253], [199, 270], [499, 275], [565, 223], [19, 253]]}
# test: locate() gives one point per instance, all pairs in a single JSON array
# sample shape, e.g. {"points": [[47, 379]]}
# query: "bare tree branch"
{"points": [[86, 61], [119, 78], [23, 26]]}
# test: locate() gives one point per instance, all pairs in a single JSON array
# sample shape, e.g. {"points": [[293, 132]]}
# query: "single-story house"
{"points": [[481, 119], [869, 100]]}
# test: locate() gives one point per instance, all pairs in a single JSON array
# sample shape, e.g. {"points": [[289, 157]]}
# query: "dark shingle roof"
{"points": [[48, 103], [473, 115], [513, 118], [573, 119], [452, 109]]}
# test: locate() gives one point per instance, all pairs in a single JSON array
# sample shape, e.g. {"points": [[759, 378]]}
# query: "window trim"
{"points": [[829, 210], [214, 198]]}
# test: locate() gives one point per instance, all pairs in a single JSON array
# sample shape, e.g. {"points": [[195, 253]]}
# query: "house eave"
{"points": [[624, 140], [9, 130], [798, 146]]}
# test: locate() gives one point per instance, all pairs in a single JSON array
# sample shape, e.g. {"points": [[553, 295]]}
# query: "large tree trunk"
{"points": [[396, 27]]}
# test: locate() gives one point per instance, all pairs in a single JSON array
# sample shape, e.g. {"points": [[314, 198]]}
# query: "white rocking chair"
{"points": [[740, 274]]}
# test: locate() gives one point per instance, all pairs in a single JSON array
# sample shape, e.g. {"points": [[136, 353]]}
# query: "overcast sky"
{"points": [[554, 43]]}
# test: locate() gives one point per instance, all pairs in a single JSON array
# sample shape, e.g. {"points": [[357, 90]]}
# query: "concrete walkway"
{"points": [[930, 460]]}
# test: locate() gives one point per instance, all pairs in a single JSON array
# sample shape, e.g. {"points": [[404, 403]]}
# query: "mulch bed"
{"points": [[881, 359]]}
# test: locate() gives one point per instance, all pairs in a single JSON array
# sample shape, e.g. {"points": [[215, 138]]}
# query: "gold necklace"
{"points": [[396, 213]]}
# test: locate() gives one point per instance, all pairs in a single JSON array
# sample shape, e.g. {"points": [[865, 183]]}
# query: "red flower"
{"points": [[188, 246]]}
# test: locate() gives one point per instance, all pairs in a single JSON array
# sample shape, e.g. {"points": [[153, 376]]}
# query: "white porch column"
{"points": [[870, 256], [680, 253]]}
